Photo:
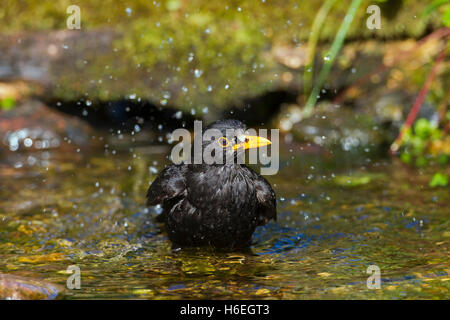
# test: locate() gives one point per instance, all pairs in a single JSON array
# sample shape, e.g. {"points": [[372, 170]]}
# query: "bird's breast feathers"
{"points": [[220, 185]]}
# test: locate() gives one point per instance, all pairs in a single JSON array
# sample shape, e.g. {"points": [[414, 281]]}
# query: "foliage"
{"points": [[426, 145], [331, 55], [439, 180], [319, 20], [444, 5]]}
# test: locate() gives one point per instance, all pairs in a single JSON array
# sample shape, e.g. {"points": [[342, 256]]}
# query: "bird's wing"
{"points": [[169, 184], [267, 200]]}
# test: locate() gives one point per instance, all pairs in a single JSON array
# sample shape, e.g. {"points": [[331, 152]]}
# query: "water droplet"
{"points": [[153, 170], [178, 115], [198, 73], [28, 142]]}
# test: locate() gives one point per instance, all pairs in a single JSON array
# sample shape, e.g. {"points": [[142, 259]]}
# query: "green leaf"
{"points": [[443, 159], [439, 180], [433, 6], [446, 17], [405, 157], [421, 161], [423, 128]]}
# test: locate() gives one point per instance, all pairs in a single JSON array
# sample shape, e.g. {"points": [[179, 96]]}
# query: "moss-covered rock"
{"points": [[199, 56]]}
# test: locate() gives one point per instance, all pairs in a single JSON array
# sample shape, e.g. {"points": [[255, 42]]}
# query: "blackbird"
{"points": [[217, 205]]}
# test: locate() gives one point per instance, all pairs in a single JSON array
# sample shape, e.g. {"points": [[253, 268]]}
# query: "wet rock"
{"points": [[32, 126], [32, 56], [102, 64], [290, 56], [21, 288], [105, 66], [334, 127], [392, 106]]}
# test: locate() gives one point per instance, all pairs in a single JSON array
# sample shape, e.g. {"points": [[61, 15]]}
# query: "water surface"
{"points": [[336, 217]]}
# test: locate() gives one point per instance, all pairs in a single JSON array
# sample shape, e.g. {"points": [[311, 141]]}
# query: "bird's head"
{"points": [[231, 136]]}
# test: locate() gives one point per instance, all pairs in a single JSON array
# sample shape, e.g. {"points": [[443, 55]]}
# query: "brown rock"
{"points": [[32, 126]]}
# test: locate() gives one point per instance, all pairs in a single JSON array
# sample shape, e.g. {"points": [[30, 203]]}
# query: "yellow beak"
{"points": [[252, 142]]}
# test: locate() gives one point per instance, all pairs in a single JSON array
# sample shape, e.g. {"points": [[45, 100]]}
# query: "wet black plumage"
{"points": [[217, 205]]}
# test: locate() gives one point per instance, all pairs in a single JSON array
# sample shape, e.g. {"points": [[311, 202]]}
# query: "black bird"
{"points": [[217, 205]]}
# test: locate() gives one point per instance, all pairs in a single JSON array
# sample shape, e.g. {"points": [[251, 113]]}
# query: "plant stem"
{"points": [[334, 50], [418, 102], [312, 43]]}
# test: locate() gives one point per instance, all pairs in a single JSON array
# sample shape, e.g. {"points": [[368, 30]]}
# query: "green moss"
{"points": [[204, 58], [195, 54], [280, 19]]}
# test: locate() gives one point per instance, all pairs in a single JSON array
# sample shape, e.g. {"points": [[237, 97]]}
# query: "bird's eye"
{"points": [[223, 142]]}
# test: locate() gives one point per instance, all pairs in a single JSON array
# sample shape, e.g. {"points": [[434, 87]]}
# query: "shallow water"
{"points": [[336, 217]]}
